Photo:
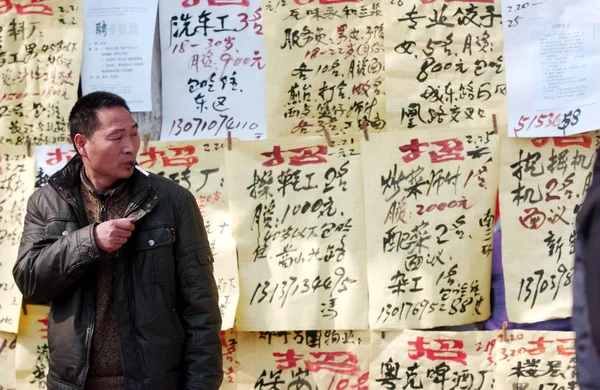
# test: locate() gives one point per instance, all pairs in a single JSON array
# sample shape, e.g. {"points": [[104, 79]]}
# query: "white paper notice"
{"points": [[564, 62], [212, 69], [118, 43], [551, 74]]}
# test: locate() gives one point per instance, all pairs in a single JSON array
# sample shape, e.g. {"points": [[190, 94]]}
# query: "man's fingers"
{"points": [[120, 240], [113, 234], [122, 233], [124, 223]]}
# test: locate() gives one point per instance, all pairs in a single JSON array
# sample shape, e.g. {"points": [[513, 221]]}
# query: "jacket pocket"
{"points": [[198, 263], [204, 256], [58, 227], [153, 252]]}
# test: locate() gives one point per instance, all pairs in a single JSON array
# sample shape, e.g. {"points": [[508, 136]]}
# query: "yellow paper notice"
{"points": [[32, 349], [433, 360], [543, 182], [324, 66], [518, 360], [536, 360], [429, 206], [199, 166], [41, 41], [16, 185], [298, 221], [321, 359], [444, 64]]}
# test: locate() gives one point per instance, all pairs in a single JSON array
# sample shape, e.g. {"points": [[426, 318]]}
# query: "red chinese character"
{"points": [[342, 362], [34, 8], [304, 156], [184, 157], [448, 350], [563, 142], [5, 6], [57, 156], [309, 155], [539, 142], [534, 218], [414, 148], [288, 359], [44, 321], [568, 350], [539, 348], [153, 157], [450, 151], [277, 158], [574, 140]]}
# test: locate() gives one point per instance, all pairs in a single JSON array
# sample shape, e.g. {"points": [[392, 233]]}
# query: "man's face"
{"points": [[112, 148]]}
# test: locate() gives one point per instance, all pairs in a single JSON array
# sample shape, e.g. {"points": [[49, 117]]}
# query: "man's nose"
{"points": [[128, 145]]}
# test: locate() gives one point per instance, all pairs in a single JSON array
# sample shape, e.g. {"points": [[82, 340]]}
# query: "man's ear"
{"points": [[80, 142]]}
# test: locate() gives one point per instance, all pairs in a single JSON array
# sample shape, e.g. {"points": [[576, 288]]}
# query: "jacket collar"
{"points": [[66, 183]]}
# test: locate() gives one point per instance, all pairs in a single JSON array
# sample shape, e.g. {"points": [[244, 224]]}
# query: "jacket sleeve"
{"points": [[47, 268], [198, 299]]}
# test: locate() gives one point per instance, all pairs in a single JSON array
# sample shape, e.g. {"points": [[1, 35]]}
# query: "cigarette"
{"points": [[136, 166]]}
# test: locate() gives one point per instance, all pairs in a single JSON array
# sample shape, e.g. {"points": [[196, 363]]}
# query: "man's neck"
{"points": [[100, 185]]}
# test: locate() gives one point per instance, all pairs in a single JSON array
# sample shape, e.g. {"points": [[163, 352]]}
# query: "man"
{"points": [[125, 262], [586, 287]]}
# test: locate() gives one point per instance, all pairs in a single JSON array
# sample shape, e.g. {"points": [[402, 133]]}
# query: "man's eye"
{"points": [[134, 134]]}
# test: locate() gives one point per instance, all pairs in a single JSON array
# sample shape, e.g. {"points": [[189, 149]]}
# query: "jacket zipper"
{"points": [[90, 329], [103, 211], [133, 206], [88, 342]]}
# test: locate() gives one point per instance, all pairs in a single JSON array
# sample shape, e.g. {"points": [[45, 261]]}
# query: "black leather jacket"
{"points": [[168, 318]]}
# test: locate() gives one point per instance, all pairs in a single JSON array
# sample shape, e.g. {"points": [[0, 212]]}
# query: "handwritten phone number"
{"points": [[551, 120], [418, 309], [266, 292], [225, 123], [541, 284]]}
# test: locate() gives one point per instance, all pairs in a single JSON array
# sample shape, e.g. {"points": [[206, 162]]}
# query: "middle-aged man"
{"points": [[586, 287], [125, 262]]}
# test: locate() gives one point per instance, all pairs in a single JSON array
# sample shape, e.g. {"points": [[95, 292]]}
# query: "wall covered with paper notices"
{"points": [[352, 214]]}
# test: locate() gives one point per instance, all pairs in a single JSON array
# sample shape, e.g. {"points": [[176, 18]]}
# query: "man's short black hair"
{"points": [[84, 114]]}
